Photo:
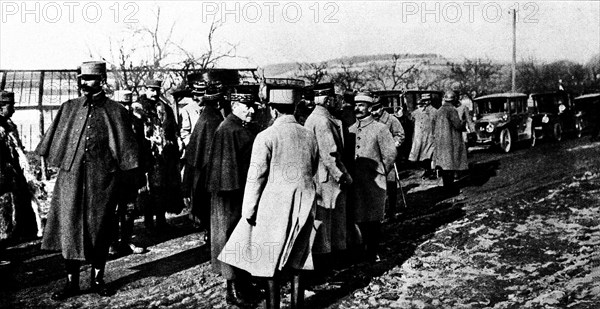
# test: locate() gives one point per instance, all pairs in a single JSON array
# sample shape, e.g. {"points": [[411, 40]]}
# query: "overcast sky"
{"points": [[62, 34]]}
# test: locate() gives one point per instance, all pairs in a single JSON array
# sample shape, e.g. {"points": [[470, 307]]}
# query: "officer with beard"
{"points": [[90, 141]]}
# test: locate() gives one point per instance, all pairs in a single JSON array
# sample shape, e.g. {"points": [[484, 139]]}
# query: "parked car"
{"points": [[553, 115], [587, 112], [502, 119]]}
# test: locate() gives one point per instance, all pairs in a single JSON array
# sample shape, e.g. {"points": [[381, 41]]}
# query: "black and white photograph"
{"points": [[300, 154]]}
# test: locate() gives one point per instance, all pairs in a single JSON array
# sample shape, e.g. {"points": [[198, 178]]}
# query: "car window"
{"points": [[491, 105], [513, 106]]}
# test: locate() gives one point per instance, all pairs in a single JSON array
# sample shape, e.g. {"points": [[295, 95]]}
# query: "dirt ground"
{"points": [[524, 233]]}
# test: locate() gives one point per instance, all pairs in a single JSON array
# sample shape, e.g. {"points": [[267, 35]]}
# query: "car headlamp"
{"points": [[545, 119], [489, 128], [504, 117]]}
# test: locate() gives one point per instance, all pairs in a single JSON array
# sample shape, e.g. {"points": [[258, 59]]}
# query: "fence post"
{"points": [[3, 81], [41, 108]]}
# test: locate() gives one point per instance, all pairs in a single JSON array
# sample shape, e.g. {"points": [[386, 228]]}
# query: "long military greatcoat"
{"points": [[450, 151], [374, 156], [331, 199], [228, 166], [197, 160], [394, 126], [280, 194], [89, 140], [422, 143]]}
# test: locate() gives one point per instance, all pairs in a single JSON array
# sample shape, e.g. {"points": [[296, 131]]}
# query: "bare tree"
{"points": [[210, 57], [150, 52], [349, 77], [392, 75], [313, 73], [476, 77]]}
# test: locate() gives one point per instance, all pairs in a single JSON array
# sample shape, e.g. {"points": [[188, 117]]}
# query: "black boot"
{"points": [[273, 294], [233, 296], [97, 284], [70, 289], [297, 293]]}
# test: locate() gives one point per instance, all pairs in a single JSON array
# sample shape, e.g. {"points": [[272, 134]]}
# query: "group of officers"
{"points": [[274, 202]]}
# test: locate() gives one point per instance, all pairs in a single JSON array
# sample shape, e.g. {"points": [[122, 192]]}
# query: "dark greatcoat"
{"points": [[197, 157], [90, 140], [228, 167], [164, 175]]}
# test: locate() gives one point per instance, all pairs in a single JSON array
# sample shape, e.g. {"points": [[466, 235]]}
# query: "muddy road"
{"points": [[175, 273]]}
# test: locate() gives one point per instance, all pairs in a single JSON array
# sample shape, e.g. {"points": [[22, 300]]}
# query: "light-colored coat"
{"points": [[280, 193], [188, 116], [395, 127], [331, 199], [422, 145], [374, 156], [450, 151]]}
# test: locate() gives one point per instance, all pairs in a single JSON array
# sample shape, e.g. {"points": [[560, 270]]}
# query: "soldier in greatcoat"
{"points": [[450, 152], [374, 156], [90, 140], [423, 140], [229, 161], [279, 202], [189, 114], [394, 126], [164, 178], [197, 156], [332, 177]]}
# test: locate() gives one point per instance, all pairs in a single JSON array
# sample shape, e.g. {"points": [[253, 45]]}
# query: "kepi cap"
{"points": [[325, 89], [197, 83], [425, 97], [93, 69], [365, 97], [285, 96], [153, 83], [7, 97]]}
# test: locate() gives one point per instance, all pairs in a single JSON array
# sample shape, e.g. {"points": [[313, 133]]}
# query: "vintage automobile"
{"points": [[553, 115], [587, 111], [502, 119]]}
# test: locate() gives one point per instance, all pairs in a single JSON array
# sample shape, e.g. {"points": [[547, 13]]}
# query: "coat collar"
{"points": [[284, 119], [96, 99], [361, 123], [321, 110]]}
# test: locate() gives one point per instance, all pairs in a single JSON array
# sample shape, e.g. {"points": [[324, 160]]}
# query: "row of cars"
{"points": [[504, 119]]}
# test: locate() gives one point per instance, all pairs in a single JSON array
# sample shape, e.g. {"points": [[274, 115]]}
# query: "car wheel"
{"points": [[557, 131], [506, 140], [578, 128]]}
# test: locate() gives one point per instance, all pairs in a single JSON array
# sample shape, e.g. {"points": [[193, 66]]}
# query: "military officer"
{"points": [[394, 126], [279, 200], [89, 140], [374, 156], [332, 177]]}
